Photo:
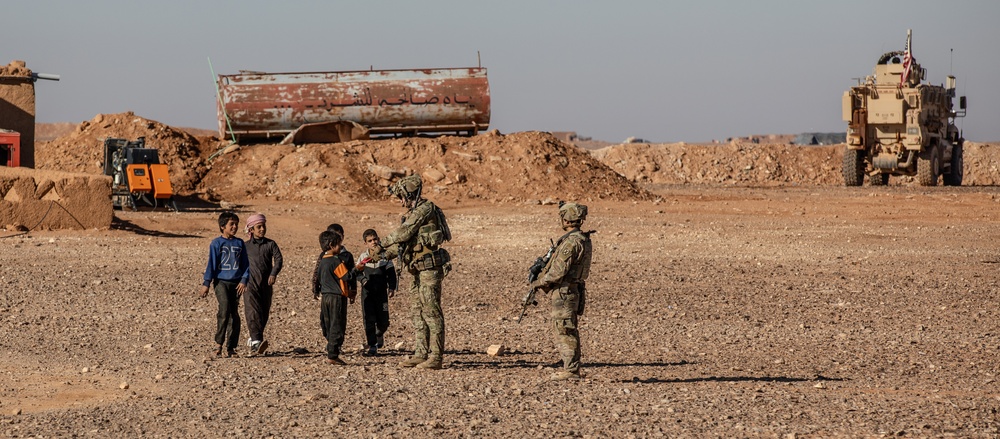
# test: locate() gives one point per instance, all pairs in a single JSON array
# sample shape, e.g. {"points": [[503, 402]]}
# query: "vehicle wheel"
{"points": [[854, 168], [954, 178], [879, 179], [928, 167]]}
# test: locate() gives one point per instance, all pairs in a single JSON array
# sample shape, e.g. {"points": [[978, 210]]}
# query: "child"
{"points": [[227, 268], [345, 256], [265, 264], [378, 284], [333, 274]]}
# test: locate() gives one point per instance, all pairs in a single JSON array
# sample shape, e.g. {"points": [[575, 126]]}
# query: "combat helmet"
{"points": [[572, 212], [407, 188]]}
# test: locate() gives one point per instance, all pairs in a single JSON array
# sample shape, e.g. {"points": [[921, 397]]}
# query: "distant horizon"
{"points": [[662, 71], [591, 139]]}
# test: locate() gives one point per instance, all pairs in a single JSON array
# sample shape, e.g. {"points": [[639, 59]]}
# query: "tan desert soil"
{"points": [[495, 168], [717, 311], [491, 167], [740, 303], [749, 164], [52, 200]]}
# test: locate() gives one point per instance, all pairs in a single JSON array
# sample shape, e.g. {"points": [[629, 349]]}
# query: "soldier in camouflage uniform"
{"points": [[418, 244], [565, 276]]}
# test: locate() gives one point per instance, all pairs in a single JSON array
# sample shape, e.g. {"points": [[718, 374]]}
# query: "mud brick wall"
{"points": [[50, 200], [17, 107]]}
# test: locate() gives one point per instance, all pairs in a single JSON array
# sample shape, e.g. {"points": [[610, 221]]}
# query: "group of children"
{"points": [[250, 269]]}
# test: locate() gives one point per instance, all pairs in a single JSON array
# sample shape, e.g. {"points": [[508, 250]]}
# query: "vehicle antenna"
{"points": [[218, 95]]}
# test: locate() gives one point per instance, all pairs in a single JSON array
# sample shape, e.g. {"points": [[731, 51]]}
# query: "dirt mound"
{"points": [[982, 164], [45, 132], [748, 164], [519, 167], [491, 167], [743, 164], [83, 149]]}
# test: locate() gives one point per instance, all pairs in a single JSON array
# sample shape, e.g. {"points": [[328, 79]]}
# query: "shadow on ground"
{"points": [[736, 379], [128, 226]]}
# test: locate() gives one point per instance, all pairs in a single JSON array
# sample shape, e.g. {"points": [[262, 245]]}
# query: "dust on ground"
{"points": [[719, 306], [714, 311]]}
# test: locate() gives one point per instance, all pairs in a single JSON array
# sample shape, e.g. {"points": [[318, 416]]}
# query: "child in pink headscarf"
{"points": [[265, 264]]}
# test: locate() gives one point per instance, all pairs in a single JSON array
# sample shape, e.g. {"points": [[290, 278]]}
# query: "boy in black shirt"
{"points": [[345, 256], [333, 286]]}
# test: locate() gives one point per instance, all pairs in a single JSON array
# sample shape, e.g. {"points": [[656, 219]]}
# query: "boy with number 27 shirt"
{"points": [[227, 269]]}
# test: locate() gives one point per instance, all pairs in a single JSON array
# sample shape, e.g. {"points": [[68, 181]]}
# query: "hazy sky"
{"points": [[663, 71]]}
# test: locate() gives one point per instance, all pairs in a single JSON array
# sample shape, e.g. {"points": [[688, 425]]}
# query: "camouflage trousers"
{"points": [[565, 301], [425, 311]]}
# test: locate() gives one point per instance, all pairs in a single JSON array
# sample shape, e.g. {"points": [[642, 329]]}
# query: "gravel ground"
{"points": [[721, 312]]}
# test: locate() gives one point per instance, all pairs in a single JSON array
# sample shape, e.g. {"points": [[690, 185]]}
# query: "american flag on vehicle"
{"points": [[907, 61]]}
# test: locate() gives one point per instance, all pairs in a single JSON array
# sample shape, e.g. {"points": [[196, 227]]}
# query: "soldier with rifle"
{"points": [[564, 275], [533, 273], [417, 242]]}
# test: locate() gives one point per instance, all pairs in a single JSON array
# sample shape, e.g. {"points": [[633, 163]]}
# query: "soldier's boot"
{"points": [[412, 361], [564, 375], [433, 363]]}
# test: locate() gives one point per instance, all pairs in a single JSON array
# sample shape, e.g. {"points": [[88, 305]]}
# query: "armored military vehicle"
{"points": [[899, 125]]}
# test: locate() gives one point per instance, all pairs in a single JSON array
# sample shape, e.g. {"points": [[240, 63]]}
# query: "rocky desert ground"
{"points": [[737, 291]]}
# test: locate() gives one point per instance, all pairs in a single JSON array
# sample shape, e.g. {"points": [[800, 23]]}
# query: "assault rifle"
{"points": [[533, 272]]}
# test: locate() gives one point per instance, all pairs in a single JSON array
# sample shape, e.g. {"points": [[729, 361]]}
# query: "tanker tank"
{"points": [[308, 107]]}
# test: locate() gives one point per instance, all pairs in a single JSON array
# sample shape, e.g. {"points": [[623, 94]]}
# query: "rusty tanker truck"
{"points": [[327, 107], [899, 125]]}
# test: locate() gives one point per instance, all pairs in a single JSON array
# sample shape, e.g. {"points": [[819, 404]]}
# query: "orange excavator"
{"points": [[137, 175]]}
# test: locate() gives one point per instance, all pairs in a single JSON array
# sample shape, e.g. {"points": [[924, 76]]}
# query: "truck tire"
{"points": [[928, 167], [954, 178], [854, 168], [879, 179]]}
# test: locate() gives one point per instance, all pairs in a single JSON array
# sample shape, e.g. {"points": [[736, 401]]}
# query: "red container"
{"points": [[10, 148], [262, 105]]}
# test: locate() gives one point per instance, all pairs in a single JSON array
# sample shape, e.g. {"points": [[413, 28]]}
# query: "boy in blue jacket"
{"points": [[227, 268]]}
